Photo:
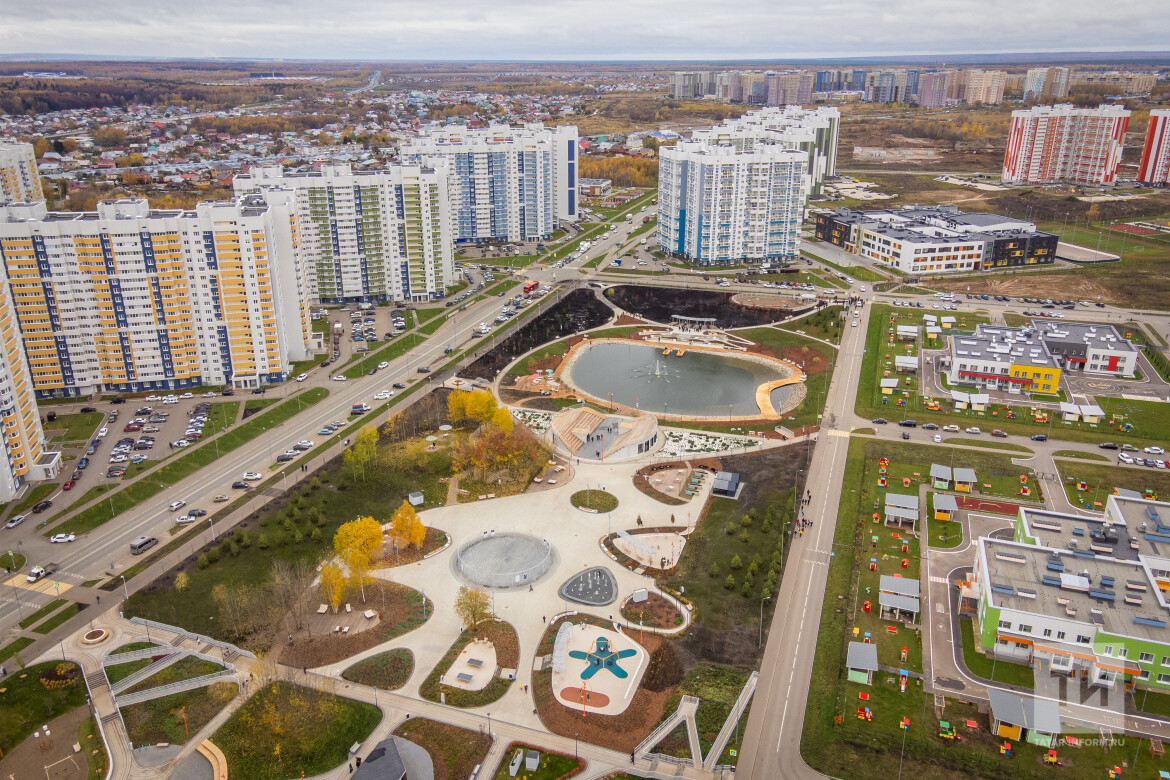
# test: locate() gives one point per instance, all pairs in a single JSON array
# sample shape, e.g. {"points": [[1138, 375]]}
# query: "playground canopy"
{"points": [[1009, 710], [940, 472], [861, 662]]}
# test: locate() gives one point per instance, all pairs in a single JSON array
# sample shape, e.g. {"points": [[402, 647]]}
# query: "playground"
{"points": [[474, 668], [596, 669]]}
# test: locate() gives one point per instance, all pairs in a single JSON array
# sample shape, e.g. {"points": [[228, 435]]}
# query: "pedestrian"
{"points": [[304, 670], [99, 599], [542, 618], [631, 758], [359, 762], [351, 767]]}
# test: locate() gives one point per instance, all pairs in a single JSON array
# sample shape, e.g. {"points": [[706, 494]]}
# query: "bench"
{"points": [[474, 662], [345, 630], [552, 481], [537, 480], [463, 677], [370, 614], [337, 629], [321, 610], [348, 609]]}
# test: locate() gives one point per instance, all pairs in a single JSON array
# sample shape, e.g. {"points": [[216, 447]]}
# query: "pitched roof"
{"points": [[862, 656]]}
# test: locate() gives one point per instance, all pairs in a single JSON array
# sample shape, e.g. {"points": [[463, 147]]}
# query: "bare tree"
{"points": [[289, 582]]}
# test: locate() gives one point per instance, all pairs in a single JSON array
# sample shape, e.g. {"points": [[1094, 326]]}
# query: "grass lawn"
{"points": [[119, 672], [57, 619], [598, 500], [861, 273], [721, 548], [553, 766], [389, 670], [943, 534], [524, 366], [184, 669], [14, 647], [988, 444], [455, 752], [338, 499], [718, 688], [1101, 479], [94, 749], [430, 327], [982, 666], [283, 730], [818, 360], [74, 427], [12, 560], [26, 703], [254, 405], [503, 637], [164, 719], [1079, 455], [42, 612], [130, 647], [187, 464], [425, 314]]}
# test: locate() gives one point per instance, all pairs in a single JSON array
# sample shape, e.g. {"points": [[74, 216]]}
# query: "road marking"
{"points": [[939, 580], [44, 585], [835, 432]]}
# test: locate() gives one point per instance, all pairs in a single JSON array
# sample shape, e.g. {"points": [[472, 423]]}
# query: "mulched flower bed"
{"points": [[655, 611]]}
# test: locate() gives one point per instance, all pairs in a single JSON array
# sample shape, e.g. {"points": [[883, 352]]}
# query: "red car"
{"points": [[68, 485]]}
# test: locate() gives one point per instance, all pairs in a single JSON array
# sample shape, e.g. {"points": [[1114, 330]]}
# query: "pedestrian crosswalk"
{"points": [[47, 585], [939, 580], [835, 432]]}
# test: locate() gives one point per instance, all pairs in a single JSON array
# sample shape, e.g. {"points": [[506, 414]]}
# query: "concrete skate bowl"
{"points": [[504, 560]]}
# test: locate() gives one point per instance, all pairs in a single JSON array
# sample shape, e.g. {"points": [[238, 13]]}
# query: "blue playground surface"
{"points": [[602, 657]]}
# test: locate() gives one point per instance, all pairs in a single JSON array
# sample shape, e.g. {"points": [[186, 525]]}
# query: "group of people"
{"points": [[802, 522]]}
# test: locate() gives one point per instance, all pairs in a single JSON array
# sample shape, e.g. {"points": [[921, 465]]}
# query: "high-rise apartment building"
{"points": [[131, 299], [790, 88], [503, 183], [983, 86], [935, 88], [1117, 82], [813, 131], [737, 191], [25, 456], [890, 86], [369, 236], [1043, 83], [1060, 143], [1155, 165], [19, 181]]}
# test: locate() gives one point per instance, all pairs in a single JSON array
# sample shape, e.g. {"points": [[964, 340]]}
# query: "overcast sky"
{"points": [[577, 29]]}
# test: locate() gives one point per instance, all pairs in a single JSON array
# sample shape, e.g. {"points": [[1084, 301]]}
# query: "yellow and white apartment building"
{"points": [[19, 181], [131, 299]]}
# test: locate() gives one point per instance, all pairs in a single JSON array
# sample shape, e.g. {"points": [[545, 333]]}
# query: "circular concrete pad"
{"points": [[504, 560], [594, 587]]}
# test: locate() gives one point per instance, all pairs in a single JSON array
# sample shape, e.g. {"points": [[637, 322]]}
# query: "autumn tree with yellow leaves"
{"points": [[357, 543]]}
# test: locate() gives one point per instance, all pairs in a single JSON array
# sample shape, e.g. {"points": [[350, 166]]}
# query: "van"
{"points": [[142, 544]]}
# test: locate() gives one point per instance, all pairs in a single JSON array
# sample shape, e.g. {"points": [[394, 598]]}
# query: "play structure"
{"points": [[602, 656]]}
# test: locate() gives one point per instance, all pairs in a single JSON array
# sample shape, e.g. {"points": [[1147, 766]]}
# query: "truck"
{"points": [[357, 409], [645, 220]]}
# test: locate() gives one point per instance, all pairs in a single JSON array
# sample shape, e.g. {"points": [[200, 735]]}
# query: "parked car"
{"points": [[239, 485], [14, 521], [908, 423], [1040, 437], [62, 538], [252, 476], [880, 421], [41, 506], [1154, 450], [1107, 445], [220, 499], [930, 427], [999, 434], [974, 429]]}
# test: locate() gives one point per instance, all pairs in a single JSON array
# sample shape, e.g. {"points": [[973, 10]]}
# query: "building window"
{"points": [[1164, 679], [1084, 640], [1146, 658], [1060, 635], [1048, 632], [1005, 624], [1166, 660], [1025, 629], [1108, 648]]}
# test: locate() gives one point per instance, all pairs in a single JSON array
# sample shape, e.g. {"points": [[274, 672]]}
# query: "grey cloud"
{"points": [[576, 29]]}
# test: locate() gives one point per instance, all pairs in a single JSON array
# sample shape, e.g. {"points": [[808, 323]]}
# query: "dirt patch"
{"points": [[399, 610], [28, 760], [762, 301], [1061, 286], [659, 304], [776, 469], [626, 319], [655, 612], [577, 311], [814, 360], [504, 640]]}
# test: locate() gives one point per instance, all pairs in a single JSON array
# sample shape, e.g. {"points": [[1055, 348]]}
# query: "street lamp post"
{"points": [[489, 717], [765, 598], [125, 590]]}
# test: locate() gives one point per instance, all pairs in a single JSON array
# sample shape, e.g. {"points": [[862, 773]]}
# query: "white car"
{"points": [[937, 438], [210, 394], [102, 432], [36, 573], [252, 476], [383, 365], [154, 398], [974, 429], [1125, 457], [61, 538], [340, 378], [1154, 450], [382, 396], [181, 443], [302, 377], [186, 395], [855, 323], [303, 444], [184, 519], [177, 505], [863, 288]]}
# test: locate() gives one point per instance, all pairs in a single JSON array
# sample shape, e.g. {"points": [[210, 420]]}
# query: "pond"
{"points": [[698, 384]]}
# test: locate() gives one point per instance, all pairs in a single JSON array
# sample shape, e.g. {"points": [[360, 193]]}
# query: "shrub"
{"points": [[746, 590], [714, 570], [297, 536], [753, 567], [729, 583], [315, 484], [204, 561], [767, 526], [232, 548], [743, 536], [749, 579], [315, 536], [245, 540], [736, 563], [212, 554], [262, 542], [746, 521], [731, 528], [766, 593]]}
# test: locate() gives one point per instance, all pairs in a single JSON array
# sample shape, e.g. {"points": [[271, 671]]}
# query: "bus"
{"points": [[530, 287]]}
